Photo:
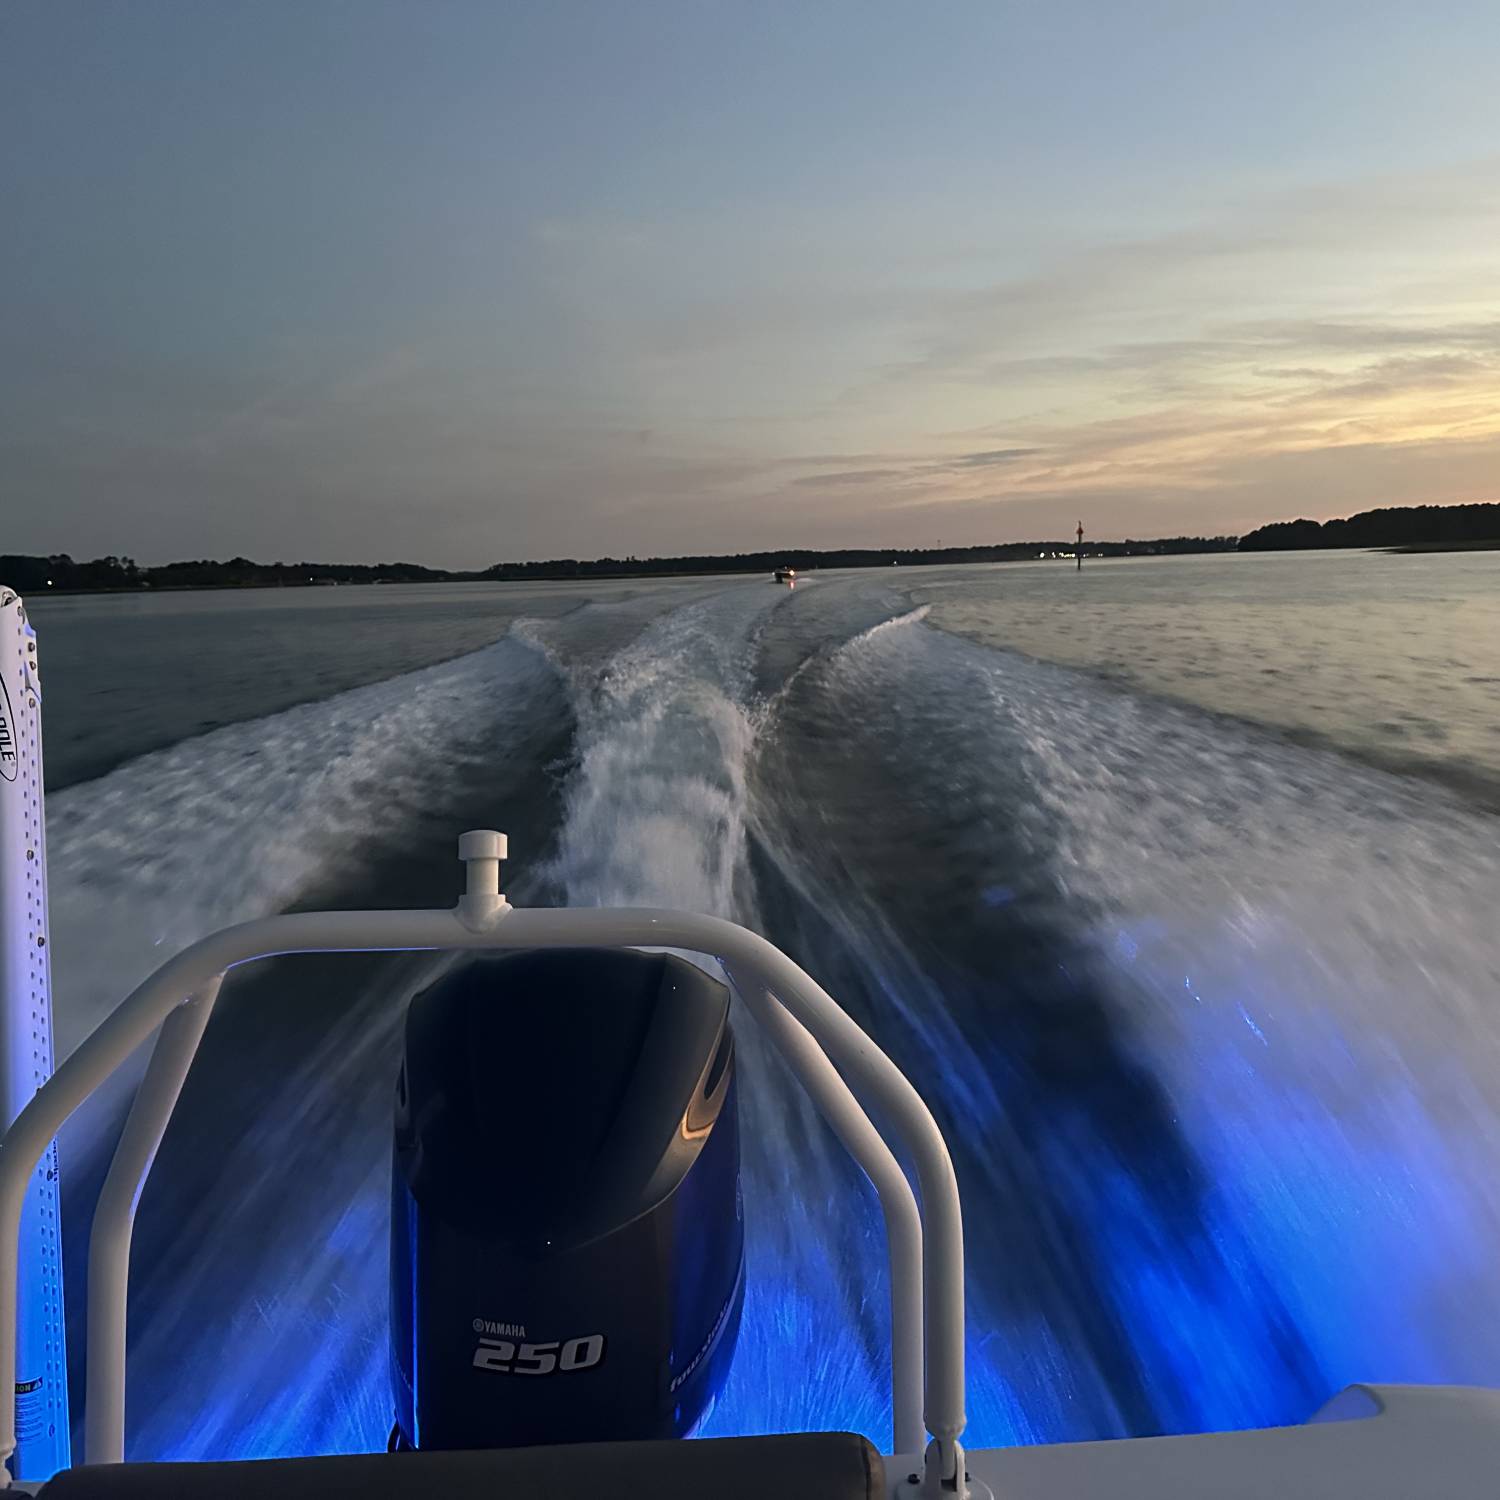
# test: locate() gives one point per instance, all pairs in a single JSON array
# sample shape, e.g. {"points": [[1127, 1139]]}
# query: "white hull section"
{"points": [[1399, 1442]]}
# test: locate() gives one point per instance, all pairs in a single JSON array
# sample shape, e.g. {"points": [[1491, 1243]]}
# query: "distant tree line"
{"points": [[1414, 525], [805, 559], [1410, 525], [60, 573], [35, 574]]}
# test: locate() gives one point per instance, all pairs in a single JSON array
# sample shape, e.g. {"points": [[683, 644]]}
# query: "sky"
{"points": [[460, 282]]}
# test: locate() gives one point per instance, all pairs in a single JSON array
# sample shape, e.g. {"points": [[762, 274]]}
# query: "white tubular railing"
{"points": [[817, 1039], [114, 1223], [903, 1225]]}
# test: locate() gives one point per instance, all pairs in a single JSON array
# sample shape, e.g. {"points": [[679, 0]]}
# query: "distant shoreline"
{"points": [[1490, 545], [484, 578], [1403, 529], [60, 574]]}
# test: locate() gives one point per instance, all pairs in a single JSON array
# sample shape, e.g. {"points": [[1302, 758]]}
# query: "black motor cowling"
{"points": [[567, 1250]]}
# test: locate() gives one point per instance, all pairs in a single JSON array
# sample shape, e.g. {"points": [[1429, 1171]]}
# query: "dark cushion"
{"points": [[801, 1466]]}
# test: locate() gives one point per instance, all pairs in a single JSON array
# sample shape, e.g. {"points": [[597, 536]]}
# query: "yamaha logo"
{"points": [[8, 763]]}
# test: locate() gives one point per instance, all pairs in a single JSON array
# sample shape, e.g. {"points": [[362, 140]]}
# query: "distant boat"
{"points": [[786, 575]]}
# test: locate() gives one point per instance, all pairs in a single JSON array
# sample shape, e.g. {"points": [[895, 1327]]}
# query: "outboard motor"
{"points": [[567, 1244]]}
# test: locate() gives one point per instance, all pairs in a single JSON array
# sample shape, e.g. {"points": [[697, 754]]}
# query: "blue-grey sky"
{"points": [[457, 282]]}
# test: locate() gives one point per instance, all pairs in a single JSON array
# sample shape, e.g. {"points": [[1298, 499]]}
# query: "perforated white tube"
{"points": [[39, 1407]]}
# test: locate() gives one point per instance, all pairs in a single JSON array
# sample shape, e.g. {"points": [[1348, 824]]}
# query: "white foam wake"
{"points": [[656, 805], [1301, 951], [657, 813], [1307, 949], [240, 822]]}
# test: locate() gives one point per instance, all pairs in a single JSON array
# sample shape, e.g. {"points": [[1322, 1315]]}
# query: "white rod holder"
{"points": [[482, 850], [36, 1396]]}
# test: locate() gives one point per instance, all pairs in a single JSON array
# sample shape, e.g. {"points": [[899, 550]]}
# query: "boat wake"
{"points": [[656, 814], [1177, 1049], [1186, 998], [244, 821]]}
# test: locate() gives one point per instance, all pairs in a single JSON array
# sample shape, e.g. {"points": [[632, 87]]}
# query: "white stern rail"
{"points": [[822, 1045], [903, 1225], [114, 1223]]}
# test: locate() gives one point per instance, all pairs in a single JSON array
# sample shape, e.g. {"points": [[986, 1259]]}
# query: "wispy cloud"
{"points": [[991, 457], [1139, 376], [845, 478]]}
